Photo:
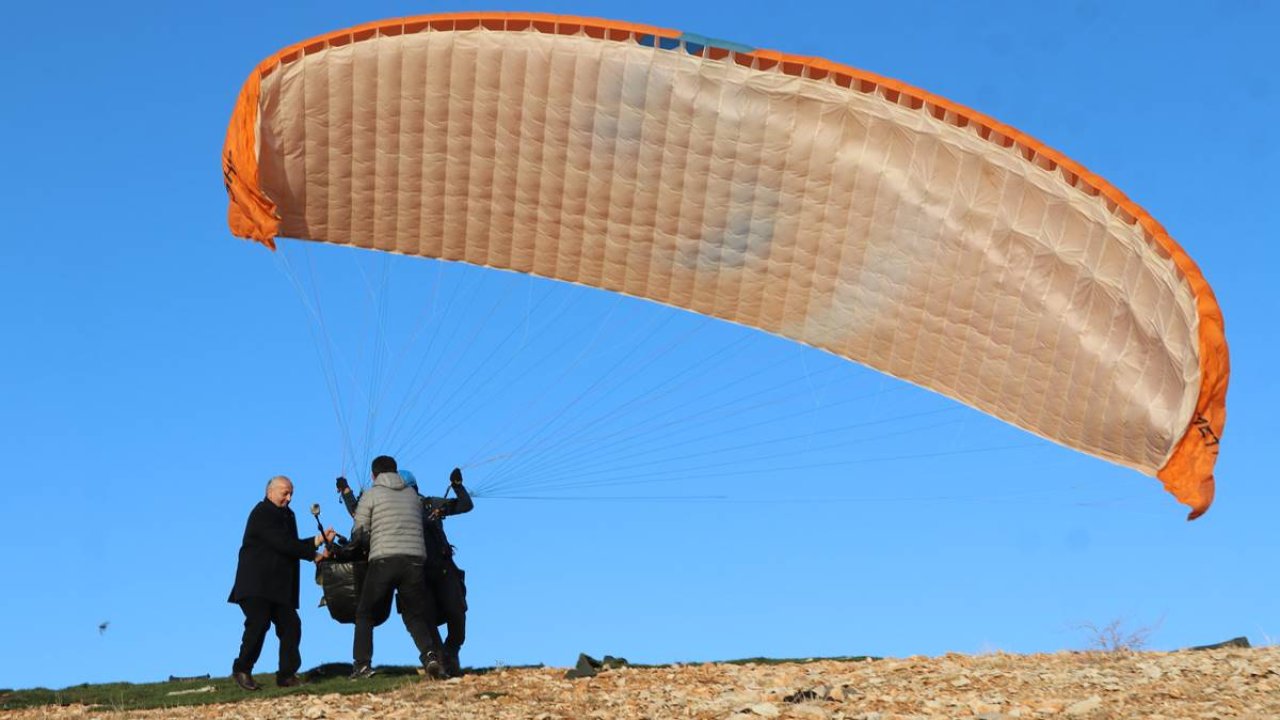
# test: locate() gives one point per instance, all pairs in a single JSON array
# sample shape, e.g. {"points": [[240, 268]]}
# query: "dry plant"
{"points": [[1115, 637]]}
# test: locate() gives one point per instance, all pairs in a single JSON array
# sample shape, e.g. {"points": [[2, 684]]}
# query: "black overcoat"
{"points": [[269, 555]]}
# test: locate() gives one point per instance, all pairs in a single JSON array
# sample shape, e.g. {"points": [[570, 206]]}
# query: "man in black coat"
{"points": [[266, 587]]}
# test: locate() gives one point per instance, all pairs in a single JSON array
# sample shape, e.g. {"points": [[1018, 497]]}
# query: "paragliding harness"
{"points": [[341, 575], [447, 564]]}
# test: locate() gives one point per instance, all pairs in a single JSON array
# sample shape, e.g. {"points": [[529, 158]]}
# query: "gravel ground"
{"points": [[1226, 683]]}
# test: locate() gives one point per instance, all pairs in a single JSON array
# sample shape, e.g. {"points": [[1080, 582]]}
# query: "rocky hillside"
{"points": [[1210, 684]]}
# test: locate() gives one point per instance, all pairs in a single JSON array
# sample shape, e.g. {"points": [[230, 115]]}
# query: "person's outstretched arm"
{"points": [[348, 497]]}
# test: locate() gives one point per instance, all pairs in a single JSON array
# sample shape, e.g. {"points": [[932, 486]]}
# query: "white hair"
{"points": [[276, 479]]}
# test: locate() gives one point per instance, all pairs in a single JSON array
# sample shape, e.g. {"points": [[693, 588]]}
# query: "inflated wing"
{"points": [[825, 204]]}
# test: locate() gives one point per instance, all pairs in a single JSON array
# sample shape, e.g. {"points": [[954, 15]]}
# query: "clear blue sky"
{"points": [[772, 500]]}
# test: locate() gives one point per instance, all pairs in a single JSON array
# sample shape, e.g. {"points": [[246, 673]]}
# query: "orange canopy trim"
{"points": [[250, 213], [1188, 474]]}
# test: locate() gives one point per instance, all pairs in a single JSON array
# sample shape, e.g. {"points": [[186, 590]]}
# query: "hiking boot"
{"points": [[433, 668], [291, 681], [360, 672], [452, 668], [245, 681]]}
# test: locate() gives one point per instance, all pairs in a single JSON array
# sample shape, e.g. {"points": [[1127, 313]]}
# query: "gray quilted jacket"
{"points": [[391, 513]]}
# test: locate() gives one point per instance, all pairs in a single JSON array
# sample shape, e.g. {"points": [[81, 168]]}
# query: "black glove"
{"points": [[455, 477], [343, 486]]}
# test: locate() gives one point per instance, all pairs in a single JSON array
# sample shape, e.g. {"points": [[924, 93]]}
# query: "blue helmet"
{"points": [[409, 479]]}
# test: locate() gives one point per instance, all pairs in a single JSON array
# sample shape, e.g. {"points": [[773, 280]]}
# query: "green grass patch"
{"points": [[322, 680]]}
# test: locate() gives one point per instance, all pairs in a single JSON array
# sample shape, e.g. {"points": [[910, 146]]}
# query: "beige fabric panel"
{"points": [[812, 211]]}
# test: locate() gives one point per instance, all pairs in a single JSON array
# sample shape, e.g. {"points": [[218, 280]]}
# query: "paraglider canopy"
{"points": [[815, 201]]}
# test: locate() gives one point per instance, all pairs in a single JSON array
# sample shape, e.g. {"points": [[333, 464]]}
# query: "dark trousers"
{"points": [[445, 585], [404, 576], [259, 615]]}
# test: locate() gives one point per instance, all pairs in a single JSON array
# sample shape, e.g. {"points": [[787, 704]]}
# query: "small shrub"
{"points": [[1115, 637]]}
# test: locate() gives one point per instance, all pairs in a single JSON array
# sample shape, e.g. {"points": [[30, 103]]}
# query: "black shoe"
{"points": [[291, 681], [452, 668], [245, 681], [360, 672], [434, 669]]}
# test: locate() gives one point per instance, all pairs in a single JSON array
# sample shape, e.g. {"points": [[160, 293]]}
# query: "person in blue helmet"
{"points": [[445, 581]]}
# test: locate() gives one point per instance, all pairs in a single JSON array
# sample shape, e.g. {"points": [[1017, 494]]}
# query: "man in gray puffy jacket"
{"points": [[390, 513]]}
